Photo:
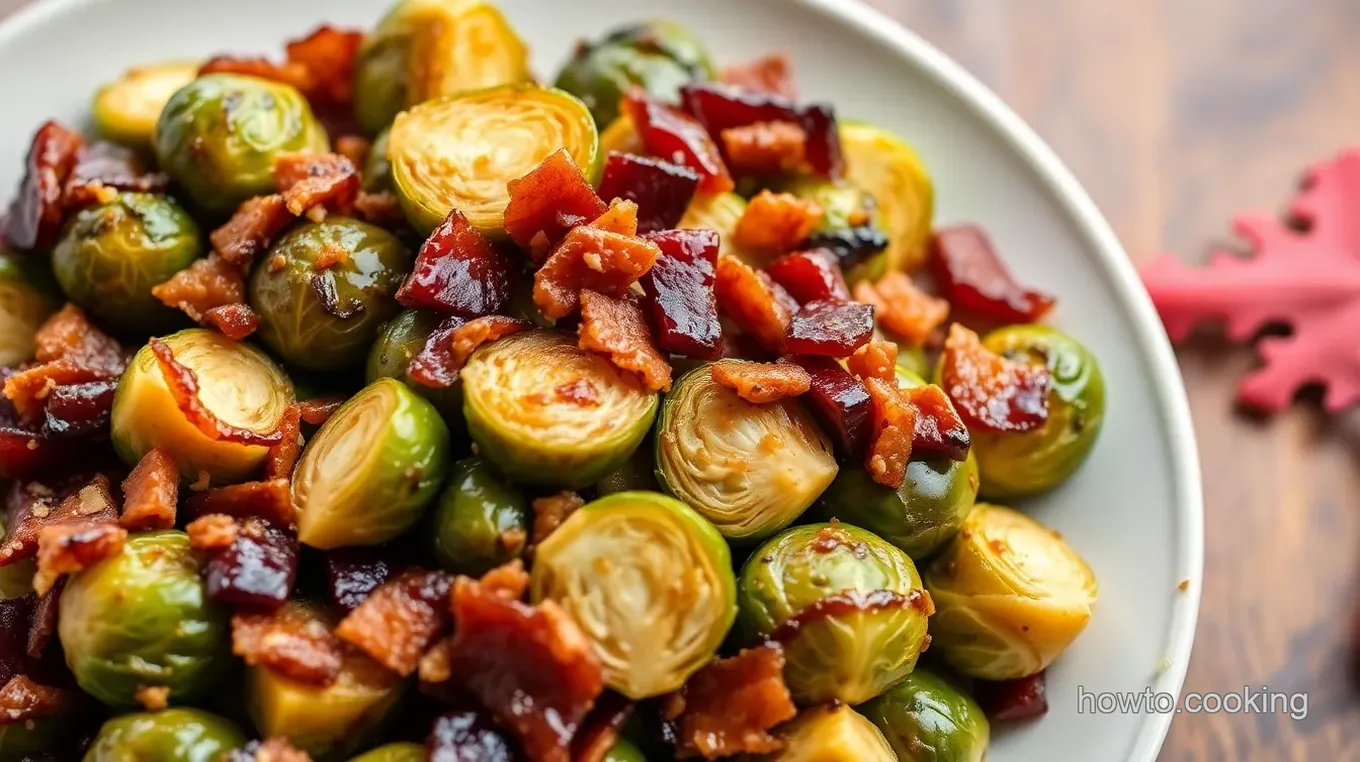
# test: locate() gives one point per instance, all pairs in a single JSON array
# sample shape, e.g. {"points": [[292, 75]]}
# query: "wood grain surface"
{"points": [[1175, 114]]}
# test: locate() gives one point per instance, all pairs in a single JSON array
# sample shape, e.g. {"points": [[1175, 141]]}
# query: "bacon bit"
{"points": [[268, 500], [877, 359], [509, 580], [330, 256], [435, 666], [775, 223], [92, 503], [810, 276], [459, 271], [731, 705], [973, 277], [661, 190], [257, 570], [617, 329], [328, 56], [553, 192], [903, 308], [44, 626], [276, 749], [287, 73], [549, 513], [449, 346], [831, 328], [317, 411], [207, 283], [183, 384], [621, 218], [34, 217], [939, 429], [719, 107], [590, 258], [990, 392], [381, 209], [580, 392], [758, 305], [69, 335], [215, 531], [311, 180], [675, 135], [153, 698], [250, 230], [352, 574], [22, 700], [1009, 700], [102, 169], [894, 424], [284, 455], [399, 620], [771, 74], [679, 293], [766, 148], [151, 493], [762, 383], [355, 148], [601, 729], [28, 390], [68, 548], [235, 321], [291, 642]]}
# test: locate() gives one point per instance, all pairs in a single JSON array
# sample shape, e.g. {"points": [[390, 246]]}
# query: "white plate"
{"points": [[1134, 510]]}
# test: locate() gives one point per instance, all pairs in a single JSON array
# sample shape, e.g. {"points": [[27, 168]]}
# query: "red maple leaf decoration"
{"points": [[1305, 274]]}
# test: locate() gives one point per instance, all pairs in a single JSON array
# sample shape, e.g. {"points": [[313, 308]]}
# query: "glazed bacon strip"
{"points": [[256, 569], [451, 344], [269, 500], [903, 308], [151, 493], [284, 455], [28, 514], [399, 621], [291, 643], [893, 425], [617, 329], [69, 351], [680, 293], [831, 328], [776, 223], [352, 574], [990, 392], [974, 278], [730, 706], [762, 383], [591, 258], [251, 229], [102, 169], [309, 181], [811, 276], [546, 203], [212, 292], [321, 65], [33, 220], [183, 385], [69, 548], [673, 134], [758, 305], [459, 272], [661, 190]]}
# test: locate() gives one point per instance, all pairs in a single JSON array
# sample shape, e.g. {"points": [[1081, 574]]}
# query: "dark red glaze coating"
{"points": [[28, 448], [183, 384], [810, 276], [661, 190], [34, 217], [352, 574], [679, 294], [44, 626], [601, 728], [720, 107], [16, 617], [939, 428], [847, 604], [990, 392], [839, 401], [459, 271], [677, 137], [544, 204], [257, 570], [973, 277], [830, 328], [103, 165], [1021, 699], [469, 735], [79, 410]]}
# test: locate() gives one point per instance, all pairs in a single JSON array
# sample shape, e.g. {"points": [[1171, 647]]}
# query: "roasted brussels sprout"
{"points": [[126, 109], [142, 619], [524, 423], [372, 468], [398, 343], [832, 734], [749, 469], [480, 520], [219, 134], [650, 583], [848, 607], [425, 49], [26, 300], [719, 212], [926, 719], [33, 739], [1016, 465], [459, 152], [16, 579], [111, 255], [625, 751], [1009, 595], [170, 735], [326, 318], [237, 382], [394, 752], [656, 56], [890, 171], [378, 169]]}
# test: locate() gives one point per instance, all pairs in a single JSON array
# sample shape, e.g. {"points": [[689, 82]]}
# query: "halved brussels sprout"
{"points": [[394, 752], [142, 619], [481, 520], [326, 319], [237, 382], [170, 735], [110, 256], [33, 739], [832, 734], [890, 171], [1030, 462], [459, 152], [533, 431], [926, 719], [749, 469], [126, 109], [378, 169], [26, 300], [1010, 595], [372, 468], [656, 56], [218, 137], [719, 212], [398, 343], [424, 49], [650, 583], [325, 722], [625, 751], [848, 607]]}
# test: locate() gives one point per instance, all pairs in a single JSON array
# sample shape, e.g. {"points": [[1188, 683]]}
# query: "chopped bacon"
{"points": [[590, 258], [331, 254], [1008, 700], [434, 665], [250, 230], [317, 411], [459, 271], [381, 209], [284, 455], [207, 283], [602, 728], [775, 223], [153, 698], [617, 329], [268, 500], [989, 391], [675, 135], [758, 305], [28, 390], [22, 700], [679, 293], [151, 493], [547, 202], [28, 515], [69, 335], [510, 580], [762, 383], [356, 148], [449, 346], [328, 56], [214, 531], [399, 620], [810, 276], [68, 548], [939, 429], [771, 74], [621, 217], [287, 73], [731, 705], [235, 321], [765, 148], [661, 190], [291, 642], [102, 169], [893, 426], [276, 749], [352, 574], [903, 308], [183, 384], [311, 180], [973, 277], [877, 359], [256, 570], [44, 626], [34, 217], [835, 329], [550, 512], [720, 107]]}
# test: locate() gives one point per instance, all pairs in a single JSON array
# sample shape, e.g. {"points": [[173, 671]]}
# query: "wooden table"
{"points": [[1175, 114]]}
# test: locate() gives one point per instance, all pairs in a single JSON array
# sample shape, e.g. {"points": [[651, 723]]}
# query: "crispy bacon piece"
{"points": [[449, 346], [276, 749], [290, 642], [765, 148], [44, 626], [731, 705], [328, 55], [721, 107], [352, 574], [810, 276], [22, 700], [250, 230], [183, 384], [28, 514], [547, 202], [772, 74], [839, 401], [680, 296], [381, 209], [256, 570], [762, 383], [903, 308], [877, 359], [34, 217], [215, 531], [758, 305], [461, 735], [356, 148], [459, 271], [661, 190], [235, 321], [68, 548], [69, 335], [1009, 700], [434, 665], [617, 329], [400, 620], [621, 217], [153, 698], [834, 329], [310, 180], [151, 493], [530, 665], [284, 455], [28, 390], [893, 426], [775, 223], [268, 500], [102, 169], [318, 410], [287, 73], [207, 283], [973, 277], [601, 729], [671, 133], [990, 392], [16, 620], [590, 258], [550, 512], [939, 429]]}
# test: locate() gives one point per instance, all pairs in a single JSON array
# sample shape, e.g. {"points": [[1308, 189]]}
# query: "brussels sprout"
{"points": [[749, 469], [33, 739], [400, 341], [237, 382], [459, 152], [650, 583], [890, 171], [719, 212], [126, 109], [533, 432], [378, 169], [847, 606], [326, 319], [843, 204], [111, 255], [832, 734], [394, 752], [625, 751], [1026, 463], [480, 521], [26, 300], [16, 579], [656, 56], [170, 735], [926, 719], [425, 49], [142, 619], [1009, 595], [326, 722], [372, 468], [219, 134]]}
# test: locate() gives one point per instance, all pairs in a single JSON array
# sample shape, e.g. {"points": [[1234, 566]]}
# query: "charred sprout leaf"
{"points": [[126, 109], [399, 342], [481, 520], [888, 169], [826, 733], [219, 135], [142, 619], [394, 752], [459, 152], [371, 469], [926, 719], [1010, 596], [750, 469], [25, 302], [546, 412], [236, 382], [170, 735], [650, 583]]}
